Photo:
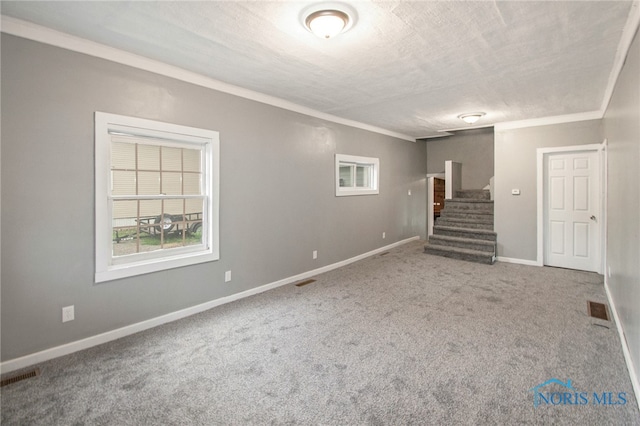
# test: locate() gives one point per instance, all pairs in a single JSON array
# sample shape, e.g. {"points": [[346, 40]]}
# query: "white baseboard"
{"points": [[633, 373], [78, 345], [518, 261]]}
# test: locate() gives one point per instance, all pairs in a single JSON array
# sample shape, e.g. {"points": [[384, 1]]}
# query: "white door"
{"points": [[572, 207]]}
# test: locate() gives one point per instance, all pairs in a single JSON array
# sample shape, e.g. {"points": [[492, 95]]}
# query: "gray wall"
{"points": [[472, 148], [622, 130], [277, 194], [516, 168]]}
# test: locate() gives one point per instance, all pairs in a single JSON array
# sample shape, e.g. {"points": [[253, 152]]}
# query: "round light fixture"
{"points": [[327, 23], [472, 117]]}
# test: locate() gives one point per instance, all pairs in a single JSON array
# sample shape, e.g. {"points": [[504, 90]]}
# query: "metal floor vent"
{"points": [[305, 282], [22, 376], [597, 310]]}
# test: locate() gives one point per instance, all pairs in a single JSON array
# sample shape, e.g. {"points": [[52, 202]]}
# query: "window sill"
{"points": [[351, 192], [132, 269]]}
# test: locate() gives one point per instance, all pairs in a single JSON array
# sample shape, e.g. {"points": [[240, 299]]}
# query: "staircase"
{"points": [[464, 229]]}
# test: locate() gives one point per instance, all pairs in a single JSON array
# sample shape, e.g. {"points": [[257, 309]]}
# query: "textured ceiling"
{"points": [[409, 67]]}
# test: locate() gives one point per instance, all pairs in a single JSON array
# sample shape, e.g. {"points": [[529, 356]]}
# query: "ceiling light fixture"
{"points": [[471, 117], [327, 23]]}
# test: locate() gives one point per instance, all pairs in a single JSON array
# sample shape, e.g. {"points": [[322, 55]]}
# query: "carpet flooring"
{"points": [[401, 338]]}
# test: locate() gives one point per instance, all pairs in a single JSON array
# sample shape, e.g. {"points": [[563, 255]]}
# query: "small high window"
{"points": [[156, 196], [356, 175]]}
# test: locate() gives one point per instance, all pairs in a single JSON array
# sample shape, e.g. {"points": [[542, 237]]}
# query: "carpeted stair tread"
{"points": [[460, 253], [453, 224], [464, 229], [467, 220], [468, 200], [468, 243], [459, 204], [466, 214], [478, 194], [477, 234], [465, 223]]}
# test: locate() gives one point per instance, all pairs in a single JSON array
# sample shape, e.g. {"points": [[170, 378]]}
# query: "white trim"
{"points": [[604, 194], [106, 267], [372, 162], [540, 206], [28, 30], [571, 148], [78, 345], [628, 33], [540, 153], [545, 121], [633, 373], [430, 203], [518, 261]]}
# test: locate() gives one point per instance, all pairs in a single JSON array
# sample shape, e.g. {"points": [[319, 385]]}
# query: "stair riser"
{"points": [[461, 205], [460, 224], [488, 259], [466, 214], [464, 234], [489, 248], [464, 229], [474, 194]]}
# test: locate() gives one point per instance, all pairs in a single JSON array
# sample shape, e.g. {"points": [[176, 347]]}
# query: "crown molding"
{"points": [[34, 32], [545, 121], [628, 33]]}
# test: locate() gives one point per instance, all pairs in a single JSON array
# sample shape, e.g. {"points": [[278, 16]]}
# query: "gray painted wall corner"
{"points": [[622, 130]]}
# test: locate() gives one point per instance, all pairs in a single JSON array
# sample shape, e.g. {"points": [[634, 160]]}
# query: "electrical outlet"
{"points": [[315, 254], [227, 276], [384, 235], [68, 314], [409, 192]]}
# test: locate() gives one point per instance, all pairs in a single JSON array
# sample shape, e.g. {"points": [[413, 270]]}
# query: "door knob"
{"points": [[593, 217]]}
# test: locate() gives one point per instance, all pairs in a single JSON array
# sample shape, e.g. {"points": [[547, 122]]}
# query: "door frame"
{"points": [[601, 150], [430, 198]]}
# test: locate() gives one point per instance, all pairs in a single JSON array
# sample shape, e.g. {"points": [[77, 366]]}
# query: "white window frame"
{"points": [[353, 160], [109, 268]]}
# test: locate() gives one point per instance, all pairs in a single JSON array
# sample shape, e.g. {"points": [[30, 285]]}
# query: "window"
{"points": [[157, 187], [356, 175]]}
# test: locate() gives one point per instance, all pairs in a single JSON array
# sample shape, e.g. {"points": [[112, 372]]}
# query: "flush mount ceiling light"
{"points": [[471, 117], [327, 23]]}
